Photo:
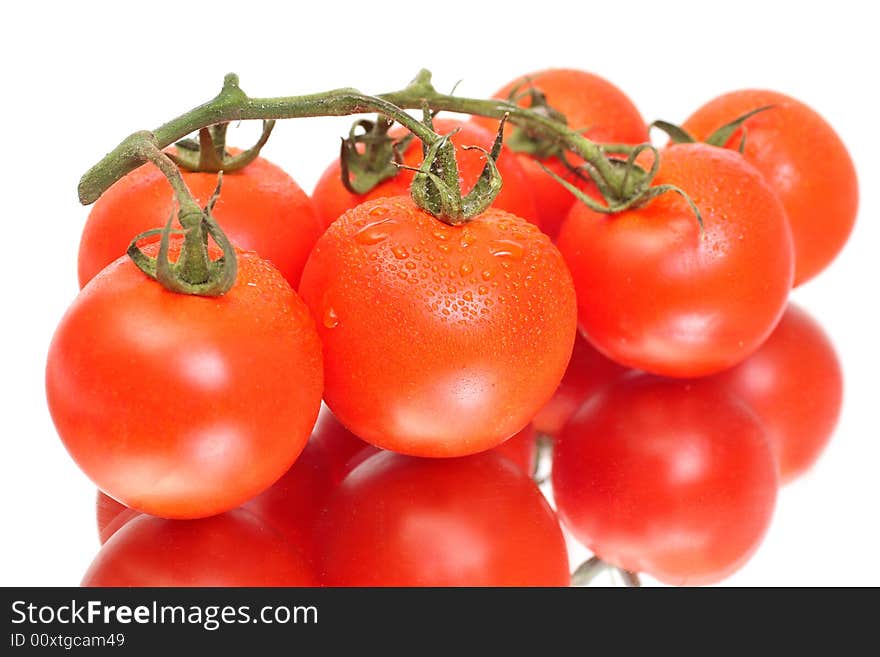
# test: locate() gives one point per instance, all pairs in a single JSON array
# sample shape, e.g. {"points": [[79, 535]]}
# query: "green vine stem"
{"points": [[620, 184]]}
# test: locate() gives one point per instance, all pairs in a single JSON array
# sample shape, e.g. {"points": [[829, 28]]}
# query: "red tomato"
{"points": [[260, 208], [802, 159], [588, 371], [671, 478], [590, 104], [231, 549], [473, 521], [795, 385], [438, 340], [184, 406], [657, 295], [332, 198]]}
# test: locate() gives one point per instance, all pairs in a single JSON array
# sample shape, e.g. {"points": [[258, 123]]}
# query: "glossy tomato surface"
{"points": [[332, 198], [473, 521], [231, 549], [803, 160], [590, 104], [260, 209], [184, 406], [794, 383], [438, 340], [658, 294], [666, 477]]}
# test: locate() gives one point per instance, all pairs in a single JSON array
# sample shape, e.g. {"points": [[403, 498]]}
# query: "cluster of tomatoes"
{"points": [[196, 416]]}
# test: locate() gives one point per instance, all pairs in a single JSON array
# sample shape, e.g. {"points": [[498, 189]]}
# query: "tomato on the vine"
{"points": [[803, 160], [438, 340], [231, 549], [666, 477], [332, 198], [592, 106], [260, 207], [473, 521], [658, 293], [795, 385], [184, 406]]}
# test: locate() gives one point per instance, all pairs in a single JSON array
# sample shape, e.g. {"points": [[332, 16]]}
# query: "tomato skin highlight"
{"points": [[260, 209], [589, 103], [231, 549], [805, 162], [654, 294], [438, 340], [332, 198], [667, 477], [794, 383], [183, 406], [472, 521]]}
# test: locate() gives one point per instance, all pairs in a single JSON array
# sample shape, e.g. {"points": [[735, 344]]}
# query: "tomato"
{"points": [[231, 549], [184, 406], [666, 477], [332, 198], [587, 371], [795, 385], [590, 104], [803, 160], [656, 294], [260, 208], [438, 340], [472, 521]]}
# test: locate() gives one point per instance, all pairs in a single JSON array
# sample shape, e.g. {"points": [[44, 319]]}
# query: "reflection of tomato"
{"points": [[332, 198], [260, 209], [521, 450], [671, 478], [802, 159], [472, 521], [656, 294], [111, 515], [588, 370], [590, 104], [795, 385], [231, 549], [185, 406], [338, 445], [438, 340]]}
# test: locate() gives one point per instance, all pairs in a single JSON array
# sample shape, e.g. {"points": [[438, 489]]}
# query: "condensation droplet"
{"points": [[331, 319], [374, 232], [466, 268], [400, 252], [486, 274], [506, 248], [468, 296]]}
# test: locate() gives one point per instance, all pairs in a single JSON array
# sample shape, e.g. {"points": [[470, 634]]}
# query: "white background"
{"points": [[79, 76]]}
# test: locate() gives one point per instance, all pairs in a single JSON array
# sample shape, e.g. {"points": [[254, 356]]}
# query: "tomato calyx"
{"points": [[194, 272], [436, 187], [594, 566], [369, 155], [209, 154], [719, 138]]}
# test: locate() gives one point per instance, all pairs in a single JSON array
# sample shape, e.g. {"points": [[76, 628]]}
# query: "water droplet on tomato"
{"points": [[466, 268], [374, 232], [400, 252], [331, 319], [468, 296], [506, 248]]}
